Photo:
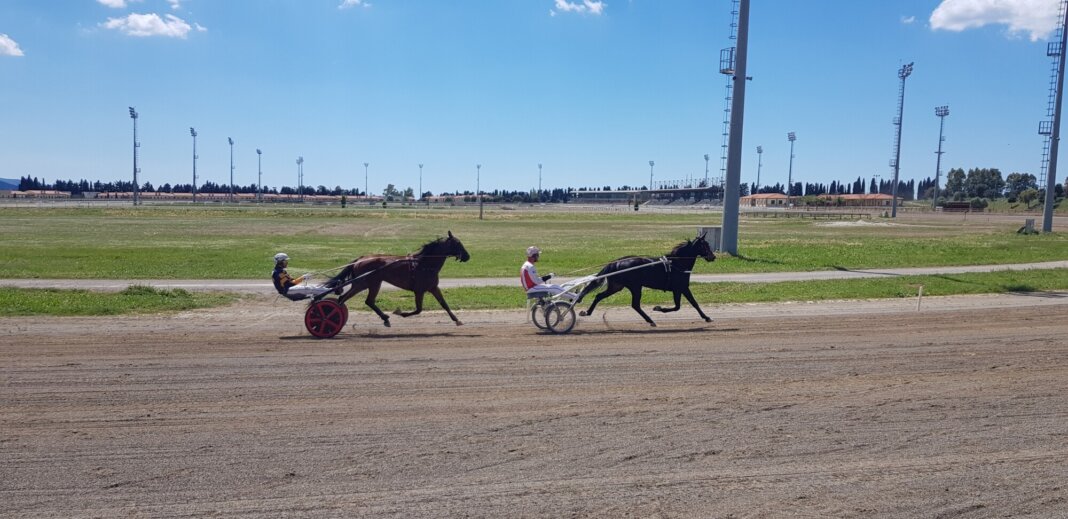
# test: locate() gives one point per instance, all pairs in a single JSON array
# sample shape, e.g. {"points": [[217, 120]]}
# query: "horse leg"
{"points": [[678, 304], [418, 306], [436, 292], [612, 289], [689, 297], [372, 294], [636, 304]]}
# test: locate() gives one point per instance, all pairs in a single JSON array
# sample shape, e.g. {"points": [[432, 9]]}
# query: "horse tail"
{"points": [[597, 283], [341, 277]]}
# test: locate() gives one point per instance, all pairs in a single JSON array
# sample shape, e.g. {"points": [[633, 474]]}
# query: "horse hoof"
{"points": [[385, 323], [459, 323], [584, 313], [339, 290], [657, 309], [398, 312], [652, 324], [708, 319]]}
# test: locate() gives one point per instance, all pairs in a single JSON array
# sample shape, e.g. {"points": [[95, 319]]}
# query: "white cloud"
{"points": [[151, 25], [346, 4], [175, 4], [114, 4], [8, 47], [1036, 18], [908, 20], [594, 7]]}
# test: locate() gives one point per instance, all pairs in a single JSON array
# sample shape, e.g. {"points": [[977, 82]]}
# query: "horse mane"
{"points": [[679, 248], [428, 246]]}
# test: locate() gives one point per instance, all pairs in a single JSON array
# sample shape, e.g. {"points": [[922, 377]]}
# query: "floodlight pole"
{"points": [[478, 188], [539, 182], [420, 182], [231, 141], [651, 164], [193, 133], [706, 170], [1051, 173], [259, 177], [790, 175], [300, 177], [136, 187], [941, 112], [366, 193], [734, 148], [760, 163], [903, 73]]}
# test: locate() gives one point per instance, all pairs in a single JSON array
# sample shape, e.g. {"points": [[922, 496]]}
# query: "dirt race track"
{"points": [[867, 409]]}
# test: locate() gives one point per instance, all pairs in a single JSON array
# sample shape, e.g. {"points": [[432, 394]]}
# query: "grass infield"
{"points": [[133, 300], [212, 242]]}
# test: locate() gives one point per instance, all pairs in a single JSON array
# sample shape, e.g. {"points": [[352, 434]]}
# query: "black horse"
{"points": [[672, 275], [416, 272]]}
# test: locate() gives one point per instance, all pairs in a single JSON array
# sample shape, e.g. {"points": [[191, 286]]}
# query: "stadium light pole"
{"points": [[941, 112], [760, 163], [231, 141], [193, 133], [1055, 137], [903, 73], [706, 170], [539, 182], [478, 188], [420, 181], [366, 193], [300, 177], [651, 164], [259, 175], [731, 199], [136, 188], [790, 175]]}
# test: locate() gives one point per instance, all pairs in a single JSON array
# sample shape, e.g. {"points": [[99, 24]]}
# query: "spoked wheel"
{"points": [[537, 315], [325, 318], [560, 317]]}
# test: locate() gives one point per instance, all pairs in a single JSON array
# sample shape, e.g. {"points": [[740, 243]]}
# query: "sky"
{"points": [[592, 90]]}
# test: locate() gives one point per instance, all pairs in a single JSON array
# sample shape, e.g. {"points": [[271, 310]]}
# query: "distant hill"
{"points": [[7, 183]]}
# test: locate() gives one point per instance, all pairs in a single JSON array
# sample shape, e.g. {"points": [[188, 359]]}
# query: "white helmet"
{"points": [[533, 251], [280, 257]]}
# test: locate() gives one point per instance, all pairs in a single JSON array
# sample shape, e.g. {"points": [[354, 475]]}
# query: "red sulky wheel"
{"points": [[325, 318]]}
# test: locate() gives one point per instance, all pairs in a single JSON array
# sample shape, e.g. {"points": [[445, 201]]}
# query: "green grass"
{"points": [[482, 298], [162, 242], [133, 300]]}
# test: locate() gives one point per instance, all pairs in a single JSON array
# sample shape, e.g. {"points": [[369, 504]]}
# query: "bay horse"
{"points": [[672, 275], [416, 272]]}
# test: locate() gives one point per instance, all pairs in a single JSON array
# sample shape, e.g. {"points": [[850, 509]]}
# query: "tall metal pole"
{"points": [[651, 164], [478, 187], [539, 182], [193, 133], [941, 112], [760, 163], [259, 177], [136, 187], [903, 73], [790, 175], [1051, 175], [706, 171], [420, 182], [300, 177], [366, 193], [734, 148], [231, 141]]}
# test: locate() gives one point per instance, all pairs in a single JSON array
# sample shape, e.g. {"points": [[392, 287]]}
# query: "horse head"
{"points": [[453, 247], [703, 249]]}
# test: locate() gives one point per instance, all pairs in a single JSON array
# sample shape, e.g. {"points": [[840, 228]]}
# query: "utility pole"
{"points": [[231, 168], [790, 176], [478, 187], [760, 162], [193, 133], [259, 177]]}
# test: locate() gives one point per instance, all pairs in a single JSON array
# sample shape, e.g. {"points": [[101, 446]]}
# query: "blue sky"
{"points": [[593, 90]]}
